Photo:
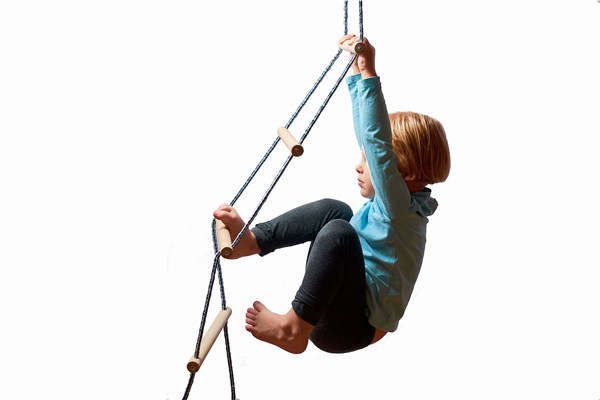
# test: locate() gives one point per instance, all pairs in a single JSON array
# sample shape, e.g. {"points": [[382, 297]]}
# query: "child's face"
{"points": [[364, 178]]}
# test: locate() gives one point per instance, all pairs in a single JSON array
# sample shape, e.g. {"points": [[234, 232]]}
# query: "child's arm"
{"points": [[352, 80], [373, 131]]}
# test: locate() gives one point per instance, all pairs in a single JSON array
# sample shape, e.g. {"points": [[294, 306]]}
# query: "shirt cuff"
{"points": [[352, 79], [371, 82]]}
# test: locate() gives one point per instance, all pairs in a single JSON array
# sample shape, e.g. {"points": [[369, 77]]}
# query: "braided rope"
{"points": [[216, 270]]}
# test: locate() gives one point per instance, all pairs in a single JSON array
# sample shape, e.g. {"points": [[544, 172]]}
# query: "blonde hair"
{"points": [[421, 145]]}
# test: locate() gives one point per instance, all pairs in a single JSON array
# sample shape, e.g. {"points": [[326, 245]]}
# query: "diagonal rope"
{"points": [[216, 271]]}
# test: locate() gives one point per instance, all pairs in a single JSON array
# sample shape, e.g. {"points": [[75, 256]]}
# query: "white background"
{"points": [[123, 124]]}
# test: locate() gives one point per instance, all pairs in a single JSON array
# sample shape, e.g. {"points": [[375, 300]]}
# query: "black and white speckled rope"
{"points": [[216, 270]]}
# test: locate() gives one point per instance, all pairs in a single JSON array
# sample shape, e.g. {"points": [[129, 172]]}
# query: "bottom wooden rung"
{"points": [[209, 340]]}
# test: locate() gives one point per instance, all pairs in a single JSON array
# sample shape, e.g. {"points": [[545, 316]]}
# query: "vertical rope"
{"points": [[360, 20], [345, 17], [226, 331]]}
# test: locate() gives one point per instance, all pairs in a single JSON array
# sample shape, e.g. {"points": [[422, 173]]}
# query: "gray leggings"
{"points": [[332, 294]]}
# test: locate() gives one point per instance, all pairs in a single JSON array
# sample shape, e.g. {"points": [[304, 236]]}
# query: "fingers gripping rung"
{"points": [[224, 239], [356, 48], [209, 339], [295, 148]]}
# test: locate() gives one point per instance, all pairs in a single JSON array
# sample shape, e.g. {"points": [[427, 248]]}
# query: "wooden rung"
{"points": [[209, 339], [193, 365], [224, 239], [356, 48], [295, 148]]}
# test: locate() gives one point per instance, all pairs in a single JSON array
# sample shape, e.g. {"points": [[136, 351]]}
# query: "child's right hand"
{"points": [[364, 63]]}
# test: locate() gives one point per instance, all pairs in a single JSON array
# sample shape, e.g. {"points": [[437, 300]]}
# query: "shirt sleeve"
{"points": [[374, 134], [352, 81]]}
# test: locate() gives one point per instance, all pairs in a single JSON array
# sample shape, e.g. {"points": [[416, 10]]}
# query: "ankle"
{"points": [[295, 325], [253, 247]]}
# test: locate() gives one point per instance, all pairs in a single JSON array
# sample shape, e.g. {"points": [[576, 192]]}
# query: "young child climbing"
{"points": [[361, 268]]}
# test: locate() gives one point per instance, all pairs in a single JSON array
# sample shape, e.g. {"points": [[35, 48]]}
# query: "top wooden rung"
{"points": [[355, 48]]}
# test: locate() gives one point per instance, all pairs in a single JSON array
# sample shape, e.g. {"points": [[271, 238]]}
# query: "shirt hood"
{"points": [[426, 205]]}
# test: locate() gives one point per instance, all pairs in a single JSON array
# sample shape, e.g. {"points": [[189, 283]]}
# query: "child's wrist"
{"points": [[368, 73]]}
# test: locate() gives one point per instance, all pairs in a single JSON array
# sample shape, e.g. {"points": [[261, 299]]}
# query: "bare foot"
{"points": [[247, 245], [289, 331]]}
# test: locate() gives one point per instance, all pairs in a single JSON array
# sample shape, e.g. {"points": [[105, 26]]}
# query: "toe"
{"points": [[251, 311]]}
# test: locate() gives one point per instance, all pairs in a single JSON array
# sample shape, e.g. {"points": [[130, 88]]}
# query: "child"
{"points": [[361, 269]]}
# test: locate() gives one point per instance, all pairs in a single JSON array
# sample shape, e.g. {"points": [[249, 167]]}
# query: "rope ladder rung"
{"points": [[209, 340]]}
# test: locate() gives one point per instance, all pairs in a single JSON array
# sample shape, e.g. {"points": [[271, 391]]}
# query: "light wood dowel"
{"points": [[356, 48], [286, 136], [193, 365], [209, 339], [224, 239]]}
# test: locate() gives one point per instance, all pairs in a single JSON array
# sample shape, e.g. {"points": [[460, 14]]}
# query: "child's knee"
{"points": [[337, 209], [341, 232]]}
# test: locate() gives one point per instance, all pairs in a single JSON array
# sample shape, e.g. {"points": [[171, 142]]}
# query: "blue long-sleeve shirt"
{"points": [[391, 226]]}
